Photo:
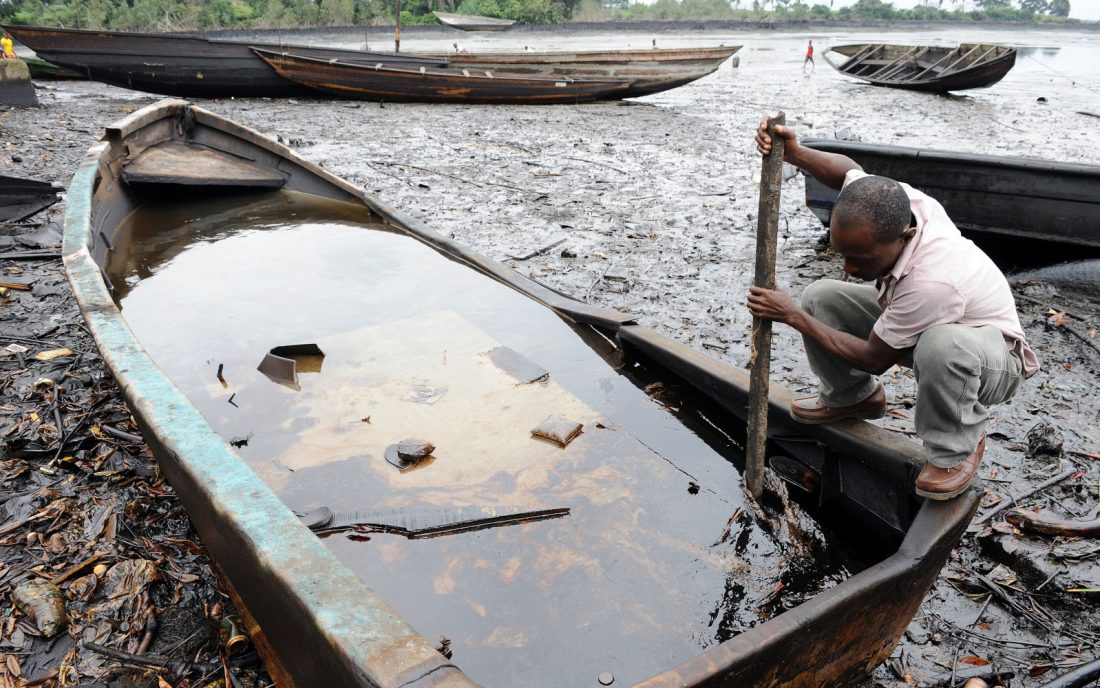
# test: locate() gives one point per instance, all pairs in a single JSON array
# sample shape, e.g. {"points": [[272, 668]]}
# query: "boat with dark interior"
{"points": [[938, 69], [396, 84], [988, 196], [424, 443], [183, 65]]}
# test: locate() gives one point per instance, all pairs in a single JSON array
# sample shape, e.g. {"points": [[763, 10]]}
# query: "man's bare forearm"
{"points": [[827, 168]]}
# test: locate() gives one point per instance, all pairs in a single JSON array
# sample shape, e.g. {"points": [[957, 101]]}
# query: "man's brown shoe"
{"points": [[810, 410], [945, 483]]}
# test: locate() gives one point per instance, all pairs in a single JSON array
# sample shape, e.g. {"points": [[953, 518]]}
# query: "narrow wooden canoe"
{"points": [[925, 67], [652, 70], [985, 194], [182, 65], [321, 624], [472, 22], [395, 84]]}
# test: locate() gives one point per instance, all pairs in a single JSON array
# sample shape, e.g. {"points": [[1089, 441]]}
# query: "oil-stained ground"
{"points": [[654, 204]]}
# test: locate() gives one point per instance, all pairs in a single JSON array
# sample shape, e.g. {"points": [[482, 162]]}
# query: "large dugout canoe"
{"points": [[180, 65], [925, 67], [321, 624], [380, 82], [651, 69], [986, 194]]}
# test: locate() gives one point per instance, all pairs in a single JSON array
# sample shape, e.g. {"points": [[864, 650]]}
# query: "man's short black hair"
{"points": [[878, 200]]}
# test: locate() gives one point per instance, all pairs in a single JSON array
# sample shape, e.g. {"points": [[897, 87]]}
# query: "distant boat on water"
{"points": [[925, 67], [472, 22]]}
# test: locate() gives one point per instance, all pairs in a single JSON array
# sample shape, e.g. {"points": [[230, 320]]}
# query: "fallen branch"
{"points": [[1012, 604], [1078, 678], [601, 164], [45, 254], [598, 280], [538, 252], [1038, 488], [1035, 522], [122, 434]]}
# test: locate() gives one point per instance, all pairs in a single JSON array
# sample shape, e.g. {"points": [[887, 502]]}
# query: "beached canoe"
{"points": [[21, 198], [623, 548], [988, 195], [395, 84], [652, 70], [180, 65], [925, 67], [472, 22], [47, 71]]}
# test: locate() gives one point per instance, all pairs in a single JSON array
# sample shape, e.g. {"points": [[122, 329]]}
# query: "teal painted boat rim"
{"points": [[330, 629]]}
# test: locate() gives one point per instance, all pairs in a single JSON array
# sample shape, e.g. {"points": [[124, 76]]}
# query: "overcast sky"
{"points": [[1086, 10]]}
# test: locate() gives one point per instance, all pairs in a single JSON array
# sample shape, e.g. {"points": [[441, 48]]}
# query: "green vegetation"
{"points": [[181, 15]]}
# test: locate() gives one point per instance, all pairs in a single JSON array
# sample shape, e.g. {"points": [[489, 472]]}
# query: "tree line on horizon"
{"points": [[192, 15]]}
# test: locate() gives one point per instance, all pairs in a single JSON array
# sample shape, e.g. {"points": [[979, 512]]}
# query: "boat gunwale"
{"points": [[947, 156], [673, 55], [353, 633]]}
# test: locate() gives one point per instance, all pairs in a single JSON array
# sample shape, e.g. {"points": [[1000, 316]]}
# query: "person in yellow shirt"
{"points": [[6, 47]]}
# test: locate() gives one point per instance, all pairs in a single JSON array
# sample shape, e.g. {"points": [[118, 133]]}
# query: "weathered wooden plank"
{"points": [[192, 165]]}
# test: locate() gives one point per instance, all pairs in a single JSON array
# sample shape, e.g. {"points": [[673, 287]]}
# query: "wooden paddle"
{"points": [[767, 230]]}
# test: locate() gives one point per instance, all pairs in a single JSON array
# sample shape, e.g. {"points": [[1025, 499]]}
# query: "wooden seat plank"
{"points": [[195, 165]]}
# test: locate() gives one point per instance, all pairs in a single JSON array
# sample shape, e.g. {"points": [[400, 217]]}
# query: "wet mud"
{"points": [[650, 205]]}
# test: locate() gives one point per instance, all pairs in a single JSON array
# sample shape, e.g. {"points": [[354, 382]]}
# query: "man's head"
{"points": [[871, 226]]}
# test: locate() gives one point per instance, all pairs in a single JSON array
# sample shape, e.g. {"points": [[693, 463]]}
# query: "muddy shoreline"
{"points": [[656, 203]]}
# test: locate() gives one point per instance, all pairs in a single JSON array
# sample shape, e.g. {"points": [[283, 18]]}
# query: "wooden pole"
{"points": [[397, 30], [767, 230]]}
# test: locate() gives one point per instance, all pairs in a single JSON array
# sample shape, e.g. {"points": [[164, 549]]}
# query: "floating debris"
{"points": [[414, 449], [283, 363], [424, 394], [559, 430], [517, 365], [410, 453]]}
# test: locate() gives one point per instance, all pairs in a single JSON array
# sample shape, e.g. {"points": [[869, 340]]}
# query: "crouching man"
{"points": [[938, 304]]}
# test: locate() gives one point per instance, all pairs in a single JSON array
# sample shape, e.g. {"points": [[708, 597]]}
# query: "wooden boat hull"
{"points": [[985, 194], [651, 70], [322, 624], [471, 22], [42, 70], [925, 68], [21, 198], [454, 85], [181, 65]]}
